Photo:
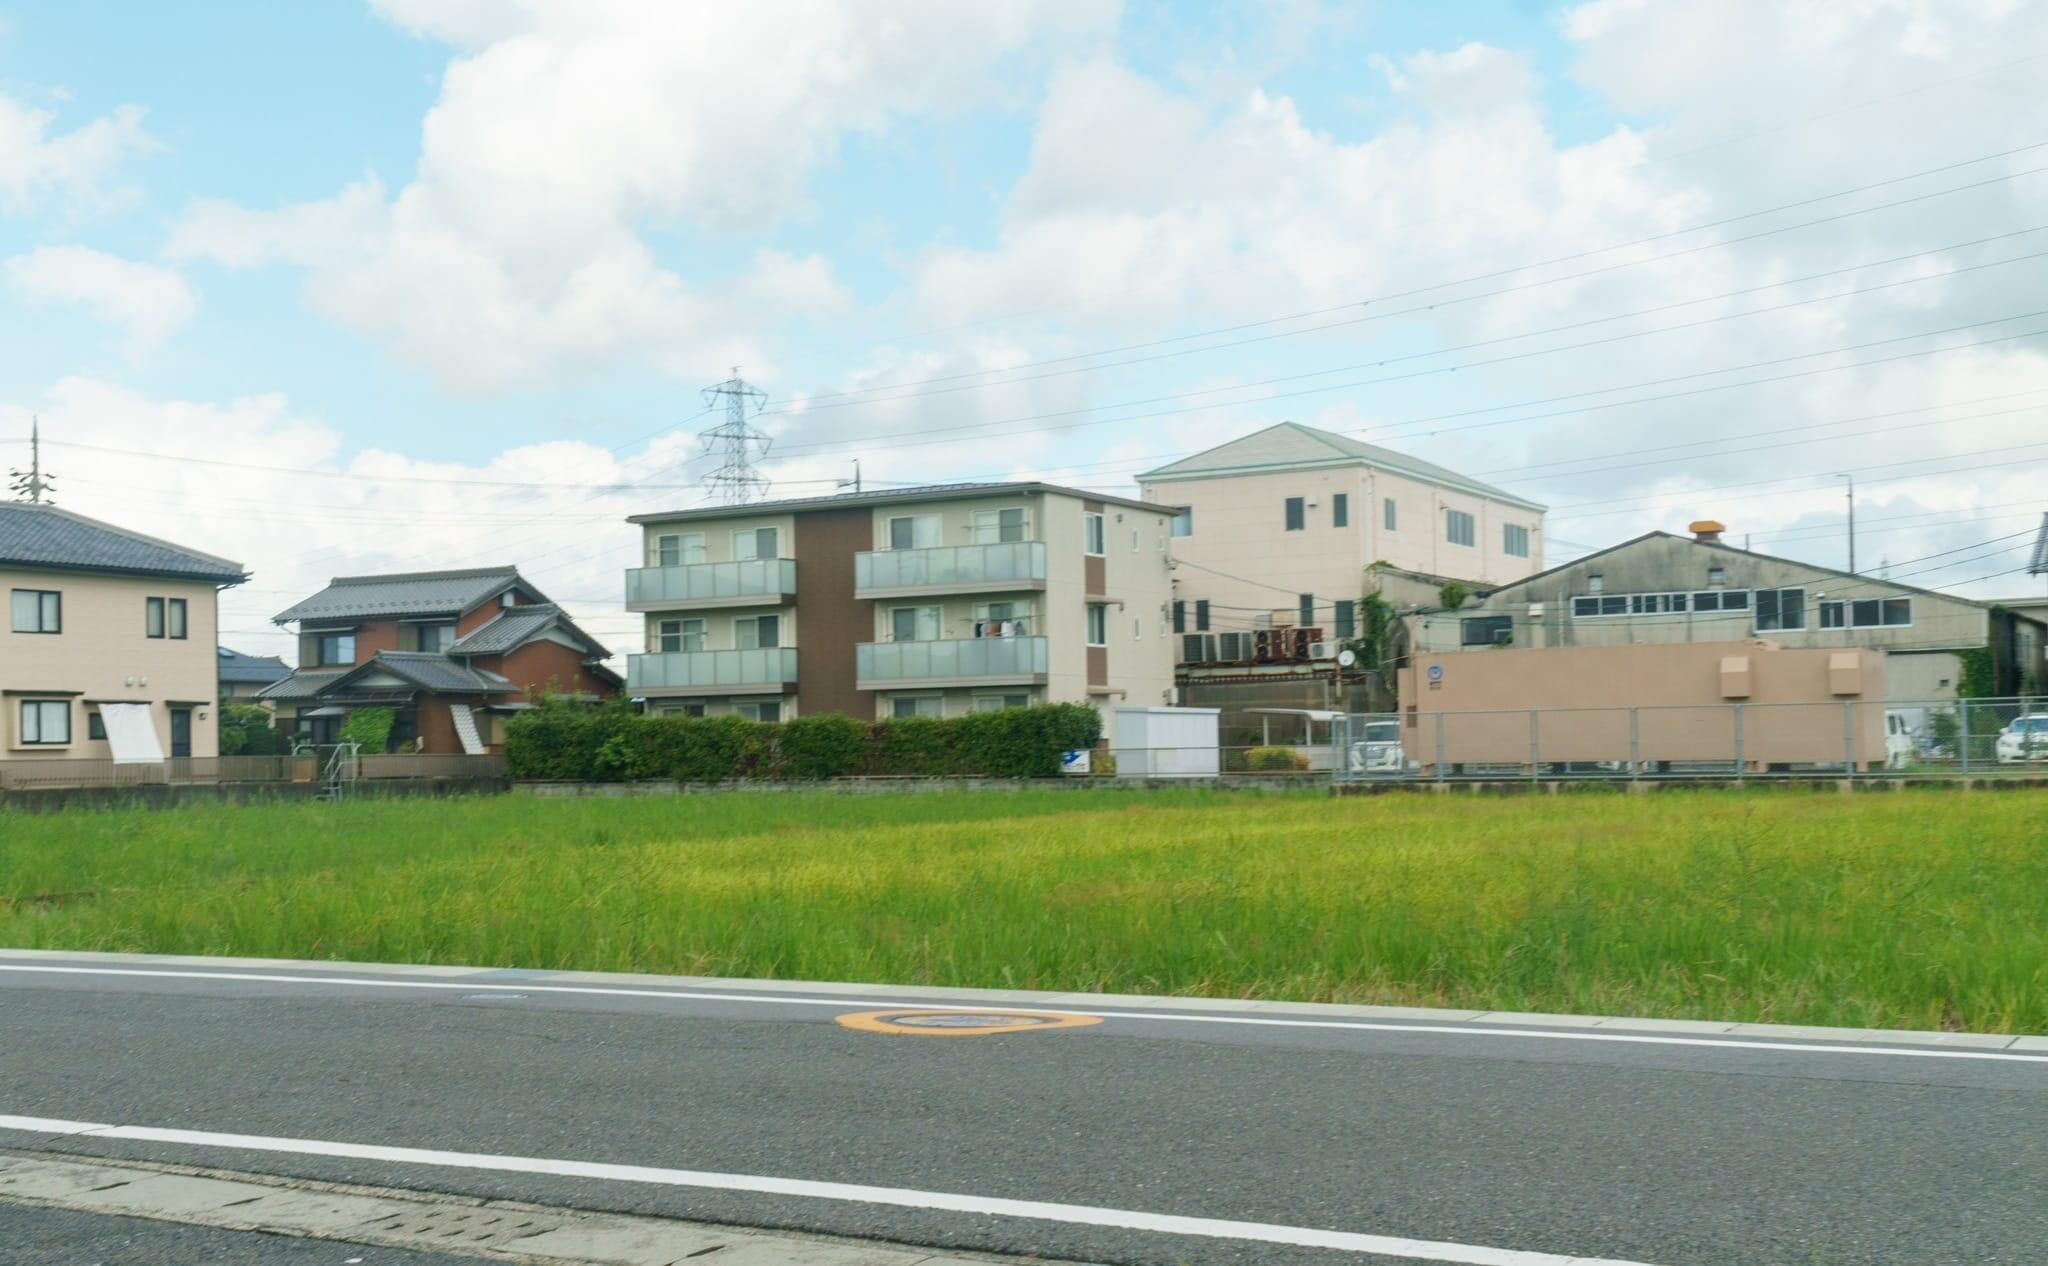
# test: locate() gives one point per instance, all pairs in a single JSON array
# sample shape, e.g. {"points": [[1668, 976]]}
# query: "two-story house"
{"points": [[1661, 588], [931, 601], [451, 653], [1277, 527], [109, 649]]}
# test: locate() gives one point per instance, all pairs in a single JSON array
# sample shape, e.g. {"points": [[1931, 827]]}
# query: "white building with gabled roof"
{"points": [[1277, 528]]}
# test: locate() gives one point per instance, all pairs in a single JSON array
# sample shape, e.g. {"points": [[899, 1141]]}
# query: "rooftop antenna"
{"points": [[30, 485], [738, 481], [2037, 565], [853, 483], [1852, 523]]}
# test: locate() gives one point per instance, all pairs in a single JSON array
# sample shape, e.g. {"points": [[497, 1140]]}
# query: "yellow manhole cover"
{"points": [[963, 1023]]}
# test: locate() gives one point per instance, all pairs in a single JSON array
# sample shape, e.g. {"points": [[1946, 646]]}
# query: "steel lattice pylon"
{"points": [[737, 481]]}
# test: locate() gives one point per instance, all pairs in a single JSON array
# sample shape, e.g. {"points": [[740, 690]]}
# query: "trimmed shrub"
{"points": [[370, 728], [915, 745], [824, 746], [1275, 760]]}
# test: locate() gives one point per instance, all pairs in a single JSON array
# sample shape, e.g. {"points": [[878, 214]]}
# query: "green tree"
{"points": [[369, 728]]}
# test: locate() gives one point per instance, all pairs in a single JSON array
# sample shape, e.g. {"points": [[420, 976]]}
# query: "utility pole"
{"points": [[1852, 523], [738, 441], [30, 485], [853, 483]]}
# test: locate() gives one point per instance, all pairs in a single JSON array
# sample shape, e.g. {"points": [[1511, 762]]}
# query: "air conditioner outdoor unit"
{"points": [[1322, 650], [1198, 648], [1233, 648]]}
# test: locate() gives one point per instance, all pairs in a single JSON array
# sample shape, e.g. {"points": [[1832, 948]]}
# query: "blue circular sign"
{"points": [[1436, 672]]}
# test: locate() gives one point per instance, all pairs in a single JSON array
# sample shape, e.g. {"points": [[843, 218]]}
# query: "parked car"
{"points": [[2025, 739], [1379, 751], [1901, 745]]}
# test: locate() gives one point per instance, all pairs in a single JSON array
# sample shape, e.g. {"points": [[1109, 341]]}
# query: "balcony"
{"points": [[692, 586], [900, 573], [766, 671], [987, 661]]}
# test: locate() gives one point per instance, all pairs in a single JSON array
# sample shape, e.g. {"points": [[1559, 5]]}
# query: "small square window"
{"points": [[1297, 514]]}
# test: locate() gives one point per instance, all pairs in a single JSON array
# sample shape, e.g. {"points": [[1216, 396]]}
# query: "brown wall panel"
{"points": [[830, 620]]}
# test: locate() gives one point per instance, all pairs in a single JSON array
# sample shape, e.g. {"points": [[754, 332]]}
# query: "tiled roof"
{"points": [[237, 667], [888, 496], [303, 683], [516, 626], [34, 536], [1290, 444], [435, 672], [408, 593]]}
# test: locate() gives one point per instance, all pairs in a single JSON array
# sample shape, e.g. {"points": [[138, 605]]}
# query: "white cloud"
{"points": [[147, 301], [563, 130], [78, 165]]}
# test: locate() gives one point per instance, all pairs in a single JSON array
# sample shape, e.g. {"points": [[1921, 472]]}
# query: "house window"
{"points": [[673, 637], [1307, 611], [1486, 630], [1201, 615], [1596, 583], [757, 632], [334, 648], [996, 703], [1184, 521], [1459, 528], [1134, 540], [1867, 613], [45, 722], [1297, 514], [1093, 539], [675, 549], [163, 617], [1098, 624], [177, 614], [1180, 617], [767, 710], [1780, 609], [992, 527], [914, 531], [1390, 518], [1137, 627], [1514, 540], [432, 637], [917, 706], [1347, 618], [1340, 510], [95, 727], [749, 544], [38, 611], [914, 624], [1717, 576], [1001, 619], [152, 617]]}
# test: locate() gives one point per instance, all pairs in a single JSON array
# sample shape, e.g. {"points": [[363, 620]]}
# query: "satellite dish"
{"points": [[1346, 659]]}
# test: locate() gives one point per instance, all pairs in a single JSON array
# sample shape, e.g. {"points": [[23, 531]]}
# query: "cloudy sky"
{"points": [[344, 287]]}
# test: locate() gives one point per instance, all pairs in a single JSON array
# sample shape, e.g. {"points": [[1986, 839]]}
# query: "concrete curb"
{"points": [[1053, 1000]]}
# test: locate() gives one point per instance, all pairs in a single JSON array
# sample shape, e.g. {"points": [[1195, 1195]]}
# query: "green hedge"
{"points": [[612, 743]]}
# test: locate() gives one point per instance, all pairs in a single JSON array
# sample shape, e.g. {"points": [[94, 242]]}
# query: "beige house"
{"points": [[110, 641], [1278, 527], [913, 602]]}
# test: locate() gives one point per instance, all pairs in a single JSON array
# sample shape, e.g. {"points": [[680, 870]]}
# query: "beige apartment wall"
{"points": [[1139, 577], [1419, 540], [956, 702], [718, 535], [957, 612], [718, 626], [102, 646], [1066, 598], [956, 516]]}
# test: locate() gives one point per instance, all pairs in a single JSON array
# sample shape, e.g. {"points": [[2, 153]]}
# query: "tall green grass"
{"points": [[1923, 910]]}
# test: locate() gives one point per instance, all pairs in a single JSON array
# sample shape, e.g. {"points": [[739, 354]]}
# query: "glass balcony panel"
{"points": [[1021, 561], [710, 582]]}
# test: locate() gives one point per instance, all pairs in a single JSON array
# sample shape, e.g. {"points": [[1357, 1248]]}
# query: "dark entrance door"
{"points": [[181, 732]]}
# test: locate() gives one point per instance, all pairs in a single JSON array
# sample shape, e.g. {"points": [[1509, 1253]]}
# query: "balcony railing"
{"points": [[755, 581], [955, 568], [714, 672], [963, 661]]}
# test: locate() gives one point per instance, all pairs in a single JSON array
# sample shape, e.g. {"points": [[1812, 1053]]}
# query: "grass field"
{"points": [[1919, 910]]}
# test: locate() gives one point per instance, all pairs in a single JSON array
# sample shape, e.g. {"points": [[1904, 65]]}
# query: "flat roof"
{"points": [[924, 492]]}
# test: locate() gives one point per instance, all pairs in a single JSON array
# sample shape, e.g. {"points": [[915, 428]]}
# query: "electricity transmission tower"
{"points": [[30, 485], [738, 441]]}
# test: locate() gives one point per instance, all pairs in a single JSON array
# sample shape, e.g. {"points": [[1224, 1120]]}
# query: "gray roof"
{"points": [[516, 626], [405, 593], [237, 667], [1290, 445], [432, 671], [302, 683], [923, 492], [42, 536]]}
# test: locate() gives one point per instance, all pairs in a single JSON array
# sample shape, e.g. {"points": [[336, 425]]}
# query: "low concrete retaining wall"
{"points": [[886, 786], [174, 795]]}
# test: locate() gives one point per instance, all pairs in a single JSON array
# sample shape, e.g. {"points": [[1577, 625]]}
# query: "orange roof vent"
{"points": [[1707, 531]]}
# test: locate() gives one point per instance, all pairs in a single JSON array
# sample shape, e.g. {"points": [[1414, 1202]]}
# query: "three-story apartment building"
{"points": [[931, 601]]}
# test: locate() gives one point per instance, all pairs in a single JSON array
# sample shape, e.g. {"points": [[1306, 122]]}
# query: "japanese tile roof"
{"points": [[237, 667], [38, 535], [1291, 445], [516, 626], [432, 671], [405, 593], [303, 683]]}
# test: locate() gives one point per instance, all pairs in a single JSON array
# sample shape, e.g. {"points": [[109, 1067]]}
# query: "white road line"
{"points": [[1078, 1214], [1157, 1017]]}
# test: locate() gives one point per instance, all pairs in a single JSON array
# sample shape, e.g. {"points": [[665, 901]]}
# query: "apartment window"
{"points": [[95, 727], [914, 624], [1094, 540], [1867, 613], [1137, 627], [768, 710], [1002, 619], [1180, 617], [1340, 510], [687, 708], [1780, 609], [996, 703], [1201, 615], [1307, 610], [749, 544], [1098, 624], [1390, 518], [45, 722], [1486, 630], [1297, 514], [1184, 521], [992, 527], [38, 611], [914, 531], [1459, 528], [334, 648], [675, 549], [1347, 618], [1514, 540], [674, 637], [757, 632], [917, 706], [1134, 540]]}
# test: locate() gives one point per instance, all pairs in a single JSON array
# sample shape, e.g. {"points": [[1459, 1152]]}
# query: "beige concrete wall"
{"points": [[718, 535], [1139, 582], [718, 626], [1793, 708], [101, 648], [956, 516]]}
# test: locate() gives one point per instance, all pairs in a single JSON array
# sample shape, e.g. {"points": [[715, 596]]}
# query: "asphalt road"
{"points": [[33, 1237], [1669, 1151]]}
